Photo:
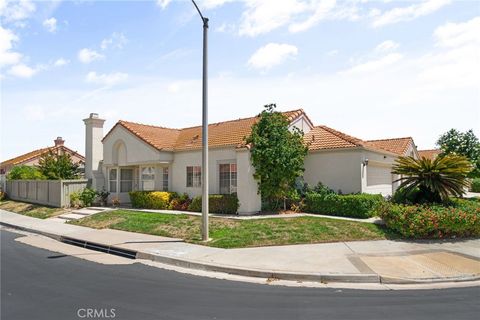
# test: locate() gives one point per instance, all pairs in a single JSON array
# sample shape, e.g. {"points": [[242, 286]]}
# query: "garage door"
{"points": [[377, 175]]}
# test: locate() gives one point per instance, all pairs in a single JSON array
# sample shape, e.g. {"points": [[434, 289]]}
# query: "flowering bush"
{"points": [[461, 218], [151, 199]]}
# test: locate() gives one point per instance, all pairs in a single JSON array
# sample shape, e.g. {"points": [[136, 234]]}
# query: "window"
{"points": [[228, 178], [194, 177], [112, 180], [165, 179], [126, 180], [148, 178]]}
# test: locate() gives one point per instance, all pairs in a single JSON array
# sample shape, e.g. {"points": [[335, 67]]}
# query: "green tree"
{"points": [[24, 172], [435, 179], [57, 166], [463, 144], [277, 155]]}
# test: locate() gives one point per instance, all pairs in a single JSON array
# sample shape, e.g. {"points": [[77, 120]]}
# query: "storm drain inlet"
{"points": [[100, 247]]}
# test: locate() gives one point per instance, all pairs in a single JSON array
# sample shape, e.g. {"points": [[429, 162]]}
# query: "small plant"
{"points": [[88, 196], [115, 202], [3, 195], [103, 195], [75, 201]]}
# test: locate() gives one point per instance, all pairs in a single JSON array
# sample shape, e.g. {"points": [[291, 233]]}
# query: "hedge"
{"points": [[351, 205], [435, 221], [217, 203], [151, 199]]}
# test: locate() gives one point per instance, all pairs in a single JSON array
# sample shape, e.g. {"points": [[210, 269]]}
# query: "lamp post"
{"points": [[204, 129]]}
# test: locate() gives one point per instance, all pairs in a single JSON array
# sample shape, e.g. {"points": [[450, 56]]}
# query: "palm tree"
{"points": [[436, 179]]}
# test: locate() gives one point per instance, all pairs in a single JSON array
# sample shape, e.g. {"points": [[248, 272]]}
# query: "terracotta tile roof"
{"points": [[159, 137], [221, 134], [35, 154], [323, 137], [429, 154], [396, 145]]}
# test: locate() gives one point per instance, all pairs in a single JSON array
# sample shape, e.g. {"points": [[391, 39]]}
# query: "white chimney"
{"points": [[93, 146]]}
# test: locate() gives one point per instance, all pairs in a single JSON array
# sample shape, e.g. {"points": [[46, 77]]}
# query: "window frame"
{"points": [[126, 180], [195, 181], [151, 180], [110, 180], [231, 179]]}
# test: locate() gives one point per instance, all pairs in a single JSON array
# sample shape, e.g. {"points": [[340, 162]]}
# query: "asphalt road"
{"points": [[36, 286]]}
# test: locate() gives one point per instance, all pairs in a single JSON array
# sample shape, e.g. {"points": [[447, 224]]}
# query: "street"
{"points": [[39, 284]]}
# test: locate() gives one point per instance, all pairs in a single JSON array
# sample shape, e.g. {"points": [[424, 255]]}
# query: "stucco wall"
{"points": [[136, 151], [247, 188], [194, 158], [339, 170]]}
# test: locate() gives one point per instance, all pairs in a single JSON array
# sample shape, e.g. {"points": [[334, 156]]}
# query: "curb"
{"points": [[257, 273]]}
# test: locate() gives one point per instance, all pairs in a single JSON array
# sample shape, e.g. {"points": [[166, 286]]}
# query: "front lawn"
{"points": [[29, 209], [229, 233]]}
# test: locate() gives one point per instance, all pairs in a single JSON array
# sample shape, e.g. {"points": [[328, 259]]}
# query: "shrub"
{"points": [[150, 199], [23, 172], [75, 201], [475, 185], [460, 219], [352, 205], [436, 179], [3, 195], [179, 202], [88, 196], [217, 203], [407, 197], [84, 198]]}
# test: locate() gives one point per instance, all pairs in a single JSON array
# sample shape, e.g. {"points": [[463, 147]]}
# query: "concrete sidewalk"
{"points": [[381, 261]]}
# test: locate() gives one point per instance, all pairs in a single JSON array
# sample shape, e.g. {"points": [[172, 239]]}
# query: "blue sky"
{"points": [[373, 69]]}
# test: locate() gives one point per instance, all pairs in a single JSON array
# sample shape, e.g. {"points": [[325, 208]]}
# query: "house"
{"points": [[429, 154], [133, 156], [31, 158]]}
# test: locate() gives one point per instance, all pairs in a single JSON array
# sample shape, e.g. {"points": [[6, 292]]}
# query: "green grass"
{"points": [[29, 209], [229, 233]]}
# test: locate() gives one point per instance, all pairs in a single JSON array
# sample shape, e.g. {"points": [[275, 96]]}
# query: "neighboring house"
{"points": [[429, 154], [134, 156], [32, 158]]}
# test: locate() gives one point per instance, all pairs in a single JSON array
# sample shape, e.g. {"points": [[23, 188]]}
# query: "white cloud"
{"points": [[61, 62], [50, 24], [320, 11], [408, 13], [106, 79], [271, 55], [387, 46], [455, 34], [116, 40], [163, 3], [13, 11], [263, 16], [7, 56], [87, 55], [22, 71], [375, 65], [226, 27]]}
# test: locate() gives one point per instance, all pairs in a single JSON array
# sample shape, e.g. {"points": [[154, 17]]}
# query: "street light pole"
{"points": [[204, 128]]}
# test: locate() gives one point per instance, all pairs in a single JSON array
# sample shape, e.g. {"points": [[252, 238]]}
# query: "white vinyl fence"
{"points": [[55, 193]]}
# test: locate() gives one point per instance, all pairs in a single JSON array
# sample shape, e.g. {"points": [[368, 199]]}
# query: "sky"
{"points": [[372, 69]]}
